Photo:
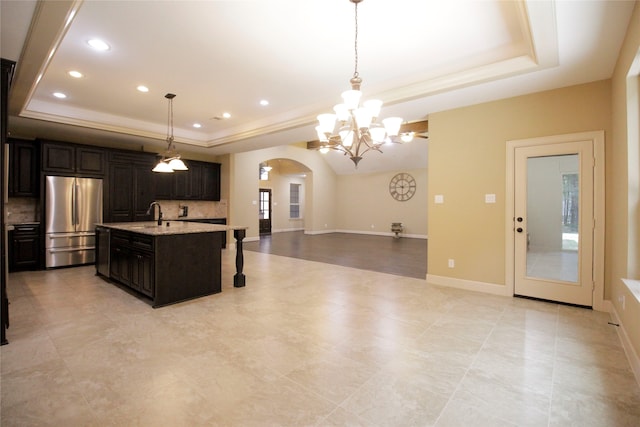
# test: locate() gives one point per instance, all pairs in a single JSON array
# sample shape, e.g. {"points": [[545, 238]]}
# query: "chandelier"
{"points": [[170, 158], [357, 126]]}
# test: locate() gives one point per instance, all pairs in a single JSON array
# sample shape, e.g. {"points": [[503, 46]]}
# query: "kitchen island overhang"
{"points": [[169, 263]]}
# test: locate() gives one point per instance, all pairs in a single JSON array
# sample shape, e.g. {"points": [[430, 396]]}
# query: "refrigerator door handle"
{"points": [[75, 204], [77, 249]]}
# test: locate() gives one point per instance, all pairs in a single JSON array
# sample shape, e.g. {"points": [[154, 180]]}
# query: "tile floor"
{"points": [[306, 344]]}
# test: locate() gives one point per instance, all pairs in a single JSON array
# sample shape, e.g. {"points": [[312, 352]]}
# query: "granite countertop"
{"points": [[169, 227]]}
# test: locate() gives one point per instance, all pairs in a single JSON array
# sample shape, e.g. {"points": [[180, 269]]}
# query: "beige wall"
{"points": [[623, 163], [279, 185], [363, 204], [320, 188], [467, 162]]}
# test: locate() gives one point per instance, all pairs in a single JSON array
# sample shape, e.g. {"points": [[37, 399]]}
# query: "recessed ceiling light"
{"points": [[264, 102], [143, 88], [59, 95], [98, 44], [76, 74], [226, 115], [197, 125]]}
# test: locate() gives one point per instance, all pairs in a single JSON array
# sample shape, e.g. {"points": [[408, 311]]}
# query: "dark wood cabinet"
{"points": [[132, 261], [211, 181], [143, 191], [142, 271], [24, 169], [154, 264], [200, 182], [187, 183], [72, 159], [24, 250], [131, 187], [90, 161], [8, 68], [58, 158], [164, 183]]}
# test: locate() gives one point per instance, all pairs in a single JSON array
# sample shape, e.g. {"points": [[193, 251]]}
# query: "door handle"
{"points": [[519, 219], [519, 229]]}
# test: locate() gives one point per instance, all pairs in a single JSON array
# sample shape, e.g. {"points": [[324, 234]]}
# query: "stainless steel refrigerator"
{"points": [[73, 207]]}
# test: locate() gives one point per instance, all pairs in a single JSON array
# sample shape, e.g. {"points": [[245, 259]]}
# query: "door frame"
{"points": [[597, 139], [270, 191]]}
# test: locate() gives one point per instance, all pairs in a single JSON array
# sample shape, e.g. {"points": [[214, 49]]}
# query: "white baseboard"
{"points": [[313, 233], [383, 233], [284, 230], [634, 360], [469, 285]]}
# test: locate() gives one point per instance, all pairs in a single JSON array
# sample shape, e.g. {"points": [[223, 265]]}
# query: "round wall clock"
{"points": [[402, 187]]}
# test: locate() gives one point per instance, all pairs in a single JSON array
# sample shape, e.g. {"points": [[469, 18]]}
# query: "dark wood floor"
{"points": [[402, 257]]}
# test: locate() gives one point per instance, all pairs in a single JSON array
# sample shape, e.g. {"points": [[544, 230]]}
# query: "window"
{"points": [[264, 173], [294, 200]]}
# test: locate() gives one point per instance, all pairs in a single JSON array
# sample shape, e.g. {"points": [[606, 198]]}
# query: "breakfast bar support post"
{"points": [[239, 278]]}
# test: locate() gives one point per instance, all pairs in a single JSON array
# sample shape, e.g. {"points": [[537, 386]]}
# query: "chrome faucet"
{"points": [[150, 211]]}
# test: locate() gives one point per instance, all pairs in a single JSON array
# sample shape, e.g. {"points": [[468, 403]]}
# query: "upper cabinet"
{"points": [[211, 181], [129, 188], [200, 182], [73, 159], [24, 168]]}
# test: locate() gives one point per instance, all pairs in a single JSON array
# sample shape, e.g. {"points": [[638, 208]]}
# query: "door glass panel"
{"points": [[264, 205], [552, 217]]}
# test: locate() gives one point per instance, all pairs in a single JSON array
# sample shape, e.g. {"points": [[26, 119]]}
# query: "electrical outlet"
{"points": [[452, 263], [373, 226]]}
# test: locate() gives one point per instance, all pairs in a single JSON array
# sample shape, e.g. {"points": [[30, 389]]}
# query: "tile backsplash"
{"points": [[197, 209], [27, 209], [22, 209]]}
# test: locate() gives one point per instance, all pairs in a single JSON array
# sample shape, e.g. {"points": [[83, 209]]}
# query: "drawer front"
{"points": [[142, 241], [64, 240], [60, 257], [23, 229]]}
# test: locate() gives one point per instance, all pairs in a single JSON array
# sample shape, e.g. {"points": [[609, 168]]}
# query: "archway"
{"points": [[283, 188]]}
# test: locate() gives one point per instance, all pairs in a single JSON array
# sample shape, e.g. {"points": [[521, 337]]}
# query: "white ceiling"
{"points": [[225, 56]]}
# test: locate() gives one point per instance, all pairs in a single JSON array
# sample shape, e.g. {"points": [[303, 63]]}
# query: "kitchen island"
{"points": [[167, 263]]}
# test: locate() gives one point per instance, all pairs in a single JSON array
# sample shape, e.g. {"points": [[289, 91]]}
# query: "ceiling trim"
{"points": [[538, 49], [50, 22]]}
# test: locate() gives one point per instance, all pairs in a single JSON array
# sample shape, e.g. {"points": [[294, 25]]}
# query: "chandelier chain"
{"points": [[355, 45], [170, 121]]}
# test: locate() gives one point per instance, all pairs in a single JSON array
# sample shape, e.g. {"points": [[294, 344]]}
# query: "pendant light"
{"points": [[170, 161], [354, 128]]}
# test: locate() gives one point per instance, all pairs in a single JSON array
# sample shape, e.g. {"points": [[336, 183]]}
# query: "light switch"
{"points": [[439, 199], [489, 198]]}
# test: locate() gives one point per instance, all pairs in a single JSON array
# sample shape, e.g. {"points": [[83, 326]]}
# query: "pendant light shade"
{"points": [[170, 160]]}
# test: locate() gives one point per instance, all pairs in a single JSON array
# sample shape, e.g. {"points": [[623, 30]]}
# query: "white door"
{"points": [[554, 222]]}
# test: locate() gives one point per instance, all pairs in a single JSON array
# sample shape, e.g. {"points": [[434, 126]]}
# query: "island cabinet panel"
{"points": [[187, 266], [132, 261], [167, 268]]}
